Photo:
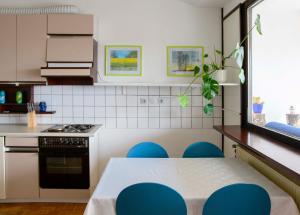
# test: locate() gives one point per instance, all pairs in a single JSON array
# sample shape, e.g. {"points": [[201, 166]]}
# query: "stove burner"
{"points": [[76, 128]]}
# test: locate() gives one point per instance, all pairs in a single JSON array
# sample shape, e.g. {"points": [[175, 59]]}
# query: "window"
{"points": [[274, 67]]}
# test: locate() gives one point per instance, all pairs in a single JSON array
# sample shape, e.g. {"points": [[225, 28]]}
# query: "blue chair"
{"points": [[147, 150], [238, 199], [150, 199], [202, 150]]}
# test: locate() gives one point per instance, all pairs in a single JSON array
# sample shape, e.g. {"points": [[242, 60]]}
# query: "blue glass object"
{"points": [[257, 108], [43, 106], [2, 97]]}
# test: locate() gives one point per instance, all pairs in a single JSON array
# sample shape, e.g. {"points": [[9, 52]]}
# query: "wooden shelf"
{"points": [[47, 112], [21, 112], [280, 156]]}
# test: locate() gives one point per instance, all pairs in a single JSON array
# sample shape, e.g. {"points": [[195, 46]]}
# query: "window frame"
{"points": [[244, 87]]}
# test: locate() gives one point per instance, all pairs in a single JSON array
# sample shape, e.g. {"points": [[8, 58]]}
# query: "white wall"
{"points": [[174, 141], [153, 24]]}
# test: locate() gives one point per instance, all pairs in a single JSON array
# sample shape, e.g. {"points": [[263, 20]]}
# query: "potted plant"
{"points": [[214, 72]]}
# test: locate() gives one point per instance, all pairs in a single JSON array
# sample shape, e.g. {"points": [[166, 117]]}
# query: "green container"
{"points": [[19, 97]]}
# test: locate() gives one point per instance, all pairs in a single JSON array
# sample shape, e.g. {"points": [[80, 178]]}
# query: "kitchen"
{"points": [[66, 114]]}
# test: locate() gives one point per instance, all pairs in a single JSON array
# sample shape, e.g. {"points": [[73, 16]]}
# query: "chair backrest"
{"points": [[150, 199], [147, 150], [238, 199], [202, 150]]}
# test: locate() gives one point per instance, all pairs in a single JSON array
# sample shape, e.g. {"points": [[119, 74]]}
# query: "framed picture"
{"points": [[123, 60], [181, 60]]}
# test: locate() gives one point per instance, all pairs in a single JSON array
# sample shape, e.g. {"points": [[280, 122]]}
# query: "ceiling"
{"points": [[208, 3]]}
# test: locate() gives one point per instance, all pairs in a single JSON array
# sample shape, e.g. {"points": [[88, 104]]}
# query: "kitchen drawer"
{"points": [[70, 49], [78, 24], [21, 142]]}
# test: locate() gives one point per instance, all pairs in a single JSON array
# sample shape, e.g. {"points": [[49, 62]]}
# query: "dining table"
{"points": [[195, 179]]}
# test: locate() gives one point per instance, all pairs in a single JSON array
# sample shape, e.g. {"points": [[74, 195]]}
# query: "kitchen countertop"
{"points": [[16, 130]]}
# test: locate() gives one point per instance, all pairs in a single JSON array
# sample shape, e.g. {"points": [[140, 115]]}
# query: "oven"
{"points": [[64, 162]]}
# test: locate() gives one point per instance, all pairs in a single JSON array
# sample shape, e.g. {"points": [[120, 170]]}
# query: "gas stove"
{"points": [[72, 128]]}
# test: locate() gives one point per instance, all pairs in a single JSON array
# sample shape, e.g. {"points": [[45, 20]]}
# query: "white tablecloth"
{"points": [[194, 179]]}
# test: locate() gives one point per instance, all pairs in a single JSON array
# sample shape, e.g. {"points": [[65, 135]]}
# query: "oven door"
{"points": [[64, 168]]}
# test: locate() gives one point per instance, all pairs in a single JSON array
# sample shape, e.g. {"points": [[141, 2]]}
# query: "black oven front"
{"points": [[64, 162]]}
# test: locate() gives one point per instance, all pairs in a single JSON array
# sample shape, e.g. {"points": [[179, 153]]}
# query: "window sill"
{"points": [[280, 156]]}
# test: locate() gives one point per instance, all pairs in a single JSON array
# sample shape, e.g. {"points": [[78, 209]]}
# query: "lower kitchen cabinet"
{"points": [[2, 169], [22, 175]]}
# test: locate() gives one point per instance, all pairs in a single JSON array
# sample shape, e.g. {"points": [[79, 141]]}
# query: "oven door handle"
{"points": [[21, 150]]}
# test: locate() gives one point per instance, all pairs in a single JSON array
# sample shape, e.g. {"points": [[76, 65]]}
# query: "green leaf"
{"points": [[196, 70], [258, 24], [210, 88], [242, 76], [239, 55], [208, 109], [205, 77], [214, 66], [183, 101], [205, 56], [218, 52], [205, 68]]}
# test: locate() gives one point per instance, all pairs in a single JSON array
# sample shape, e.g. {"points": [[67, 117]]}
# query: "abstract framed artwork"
{"points": [[123, 60], [181, 60]]}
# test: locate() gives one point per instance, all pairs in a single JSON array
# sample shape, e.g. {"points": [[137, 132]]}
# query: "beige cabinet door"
{"points": [[8, 47], [31, 46], [78, 24], [2, 169], [70, 49], [22, 175]]}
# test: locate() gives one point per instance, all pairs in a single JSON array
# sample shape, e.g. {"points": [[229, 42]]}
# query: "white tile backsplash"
{"points": [[121, 100], [165, 111], [153, 111], [132, 101], [78, 100], [100, 112], [153, 122], [89, 100], [56, 90], [67, 90], [143, 122], [110, 100], [100, 100], [89, 112], [121, 112], [89, 90], [132, 122], [78, 111], [110, 112], [143, 91], [123, 107], [67, 100]]}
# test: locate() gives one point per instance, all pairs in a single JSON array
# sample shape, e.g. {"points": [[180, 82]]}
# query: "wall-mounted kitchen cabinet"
{"points": [[70, 24], [8, 47], [70, 49], [23, 40], [31, 46]]}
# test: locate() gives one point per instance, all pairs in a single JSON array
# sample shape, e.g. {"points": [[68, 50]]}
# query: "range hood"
{"points": [[71, 60], [69, 76]]}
